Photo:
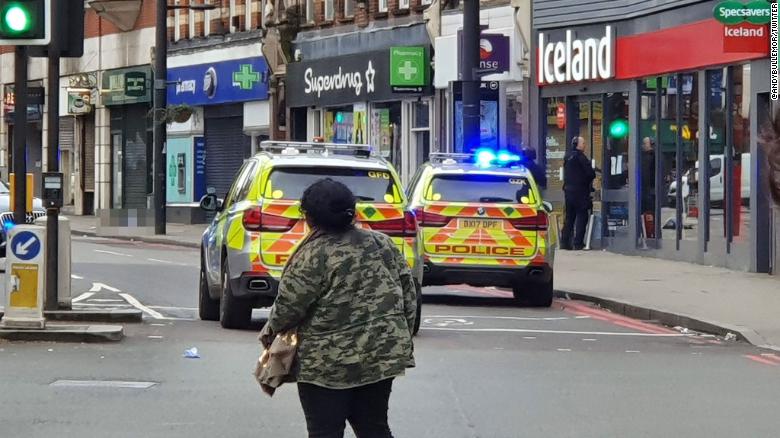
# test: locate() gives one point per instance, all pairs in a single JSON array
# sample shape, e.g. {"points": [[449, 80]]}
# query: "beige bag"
{"points": [[276, 363]]}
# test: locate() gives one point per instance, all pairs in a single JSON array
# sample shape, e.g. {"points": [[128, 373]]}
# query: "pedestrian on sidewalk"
{"points": [[351, 297], [648, 175], [578, 176], [528, 159]]}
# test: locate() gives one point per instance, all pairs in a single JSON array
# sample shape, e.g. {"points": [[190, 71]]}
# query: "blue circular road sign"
{"points": [[25, 245]]}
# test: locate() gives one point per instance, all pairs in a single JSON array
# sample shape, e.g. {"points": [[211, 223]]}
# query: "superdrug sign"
{"points": [[340, 80]]}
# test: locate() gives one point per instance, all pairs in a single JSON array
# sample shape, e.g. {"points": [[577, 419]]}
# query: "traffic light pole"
{"points": [[52, 159], [20, 135], [470, 80], [160, 90]]}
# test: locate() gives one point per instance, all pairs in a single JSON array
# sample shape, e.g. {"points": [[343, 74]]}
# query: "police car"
{"points": [[484, 223], [258, 225]]}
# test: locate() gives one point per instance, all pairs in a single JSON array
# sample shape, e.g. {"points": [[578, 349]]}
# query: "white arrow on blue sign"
{"points": [[26, 245]]}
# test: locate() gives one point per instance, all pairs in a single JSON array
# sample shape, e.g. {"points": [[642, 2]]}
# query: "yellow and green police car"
{"points": [[484, 223], [258, 225]]}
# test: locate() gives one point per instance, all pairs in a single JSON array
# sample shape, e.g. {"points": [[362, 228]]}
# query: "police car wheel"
{"points": [[535, 294], [233, 313], [208, 309], [418, 316]]}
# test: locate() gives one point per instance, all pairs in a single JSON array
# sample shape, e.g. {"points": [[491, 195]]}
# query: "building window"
{"points": [[426, 2], [192, 24], [310, 11], [403, 4], [177, 23], [232, 13], [421, 131], [555, 143], [248, 14], [382, 6], [349, 8], [329, 10], [207, 23]]}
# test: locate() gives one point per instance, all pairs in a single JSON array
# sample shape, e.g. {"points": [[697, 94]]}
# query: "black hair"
{"points": [[329, 206]]}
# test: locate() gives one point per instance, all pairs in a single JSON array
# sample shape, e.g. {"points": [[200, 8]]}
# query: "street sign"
{"points": [[24, 278], [26, 245], [25, 22], [408, 69]]}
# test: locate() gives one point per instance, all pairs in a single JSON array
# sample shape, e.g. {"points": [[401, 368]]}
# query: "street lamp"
{"points": [[160, 97]]}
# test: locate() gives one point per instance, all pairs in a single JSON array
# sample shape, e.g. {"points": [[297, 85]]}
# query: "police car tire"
{"points": [[542, 294], [418, 316], [208, 308], [233, 313]]}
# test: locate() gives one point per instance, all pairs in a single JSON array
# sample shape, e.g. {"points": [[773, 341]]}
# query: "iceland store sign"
{"points": [[238, 80], [576, 60]]}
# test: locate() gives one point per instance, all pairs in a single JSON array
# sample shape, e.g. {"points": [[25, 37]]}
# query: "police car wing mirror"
{"points": [[547, 207], [210, 202]]}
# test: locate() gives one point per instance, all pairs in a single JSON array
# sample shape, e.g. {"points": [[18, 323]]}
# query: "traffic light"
{"points": [[25, 22], [618, 129]]}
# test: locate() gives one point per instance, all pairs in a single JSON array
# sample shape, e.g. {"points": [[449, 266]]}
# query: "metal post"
{"points": [[20, 135], [53, 165], [160, 77], [470, 80]]}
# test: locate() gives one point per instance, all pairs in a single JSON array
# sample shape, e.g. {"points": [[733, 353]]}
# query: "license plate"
{"points": [[485, 224]]}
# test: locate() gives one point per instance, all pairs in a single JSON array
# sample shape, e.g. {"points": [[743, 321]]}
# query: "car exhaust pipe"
{"points": [[259, 285], [535, 272]]}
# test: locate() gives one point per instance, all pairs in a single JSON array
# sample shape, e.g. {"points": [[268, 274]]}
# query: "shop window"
{"points": [[339, 125], [616, 144], [421, 131], [514, 119], [649, 228], [555, 142], [384, 130], [740, 176]]}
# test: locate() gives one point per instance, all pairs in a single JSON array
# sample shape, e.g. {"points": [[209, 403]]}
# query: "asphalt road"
{"points": [[485, 369]]}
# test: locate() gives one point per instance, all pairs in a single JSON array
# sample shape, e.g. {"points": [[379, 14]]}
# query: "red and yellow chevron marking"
{"points": [[460, 209], [289, 209], [378, 212]]}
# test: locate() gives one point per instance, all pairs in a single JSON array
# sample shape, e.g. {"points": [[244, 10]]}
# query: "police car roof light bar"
{"points": [[358, 150], [440, 157]]}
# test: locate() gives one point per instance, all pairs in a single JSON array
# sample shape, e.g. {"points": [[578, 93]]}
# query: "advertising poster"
{"points": [[488, 126], [359, 127], [380, 131]]}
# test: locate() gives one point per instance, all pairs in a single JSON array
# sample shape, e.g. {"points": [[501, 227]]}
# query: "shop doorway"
{"points": [[602, 120]]}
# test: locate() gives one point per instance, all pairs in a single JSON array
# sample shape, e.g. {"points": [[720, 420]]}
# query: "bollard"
{"points": [[25, 278]]}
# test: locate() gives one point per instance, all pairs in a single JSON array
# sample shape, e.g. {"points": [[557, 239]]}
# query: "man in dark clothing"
{"points": [[528, 159], [578, 176], [648, 175]]}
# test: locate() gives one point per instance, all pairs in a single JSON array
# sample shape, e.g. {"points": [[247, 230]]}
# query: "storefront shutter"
{"points": [[136, 138], [88, 154], [226, 146], [66, 133]]}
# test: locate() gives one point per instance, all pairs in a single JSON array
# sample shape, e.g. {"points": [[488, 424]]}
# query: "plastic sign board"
{"points": [[408, 69], [576, 60], [732, 12], [25, 22], [24, 277]]}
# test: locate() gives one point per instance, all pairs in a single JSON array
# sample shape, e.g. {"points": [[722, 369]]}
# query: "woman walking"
{"points": [[351, 297]]}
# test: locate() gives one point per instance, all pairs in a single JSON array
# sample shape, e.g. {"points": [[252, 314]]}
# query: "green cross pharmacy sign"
{"points": [[246, 77], [408, 69]]}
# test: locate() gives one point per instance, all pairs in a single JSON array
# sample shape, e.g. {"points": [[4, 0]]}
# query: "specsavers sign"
{"points": [[744, 25], [576, 60], [735, 12]]}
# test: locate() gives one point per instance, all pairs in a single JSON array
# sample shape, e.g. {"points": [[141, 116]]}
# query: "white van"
{"points": [[717, 181]]}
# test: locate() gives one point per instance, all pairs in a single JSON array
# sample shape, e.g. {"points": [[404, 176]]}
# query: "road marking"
{"points": [[76, 277], [112, 253], [589, 339], [530, 338], [762, 360], [559, 332], [513, 318], [564, 349], [104, 300], [154, 337], [632, 351], [103, 384], [111, 306], [582, 317], [137, 304], [172, 308], [82, 297], [158, 325], [97, 287], [167, 262]]}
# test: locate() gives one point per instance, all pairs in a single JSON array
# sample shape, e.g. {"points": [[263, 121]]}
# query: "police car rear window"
{"points": [[289, 183], [481, 188]]}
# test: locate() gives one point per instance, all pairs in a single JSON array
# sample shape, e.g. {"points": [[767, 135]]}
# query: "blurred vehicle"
{"points": [[717, 184]]}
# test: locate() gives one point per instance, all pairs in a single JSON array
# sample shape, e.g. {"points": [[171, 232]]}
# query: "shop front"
{"points": [[127, 93], [381, 98], [227, 103], [669, 105]]}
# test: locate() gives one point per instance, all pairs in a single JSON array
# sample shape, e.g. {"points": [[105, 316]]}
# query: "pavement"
{"points": [[714, 300], [485, 368]]}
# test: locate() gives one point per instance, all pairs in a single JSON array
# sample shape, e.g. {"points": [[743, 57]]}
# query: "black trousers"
{"points": [[365, 407], [577, 207]]}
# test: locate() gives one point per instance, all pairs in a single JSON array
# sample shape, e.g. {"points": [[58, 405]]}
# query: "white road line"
{"points": [[108, 306], [529, 337], [76, 277], [154, 337], [97, 287], [159, 325], [82, 297], [589, 340], [559, 332], [564, 349], [632, 351], [104, 300], [112, 253], [137, 304], [582, 317], [512, 318], [168, 262], [172, 308]]}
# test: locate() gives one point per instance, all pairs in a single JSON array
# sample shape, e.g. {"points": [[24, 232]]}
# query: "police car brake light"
{"points": [[531, 223]]}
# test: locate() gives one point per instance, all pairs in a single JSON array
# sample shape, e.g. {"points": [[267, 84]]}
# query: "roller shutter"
{"points": [[226, 145]]}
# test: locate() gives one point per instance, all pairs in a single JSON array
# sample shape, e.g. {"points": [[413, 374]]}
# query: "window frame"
{"points": [[329, 13]]}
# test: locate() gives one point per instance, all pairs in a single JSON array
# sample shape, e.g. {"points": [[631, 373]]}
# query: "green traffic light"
{"points": [[17, 19], [618, 128]]}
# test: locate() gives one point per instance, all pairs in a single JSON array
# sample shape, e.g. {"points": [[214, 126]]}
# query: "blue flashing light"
{"points": [[505, 157], [7, 226], [485, 157]]}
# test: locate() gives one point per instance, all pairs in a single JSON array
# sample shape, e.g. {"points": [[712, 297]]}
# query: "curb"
{"points": [[671, 319], [66, 333], [145, 239], [114, 315]]}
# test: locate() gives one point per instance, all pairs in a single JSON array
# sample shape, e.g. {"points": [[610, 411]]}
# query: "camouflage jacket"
{"points": [[352, 298]]}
